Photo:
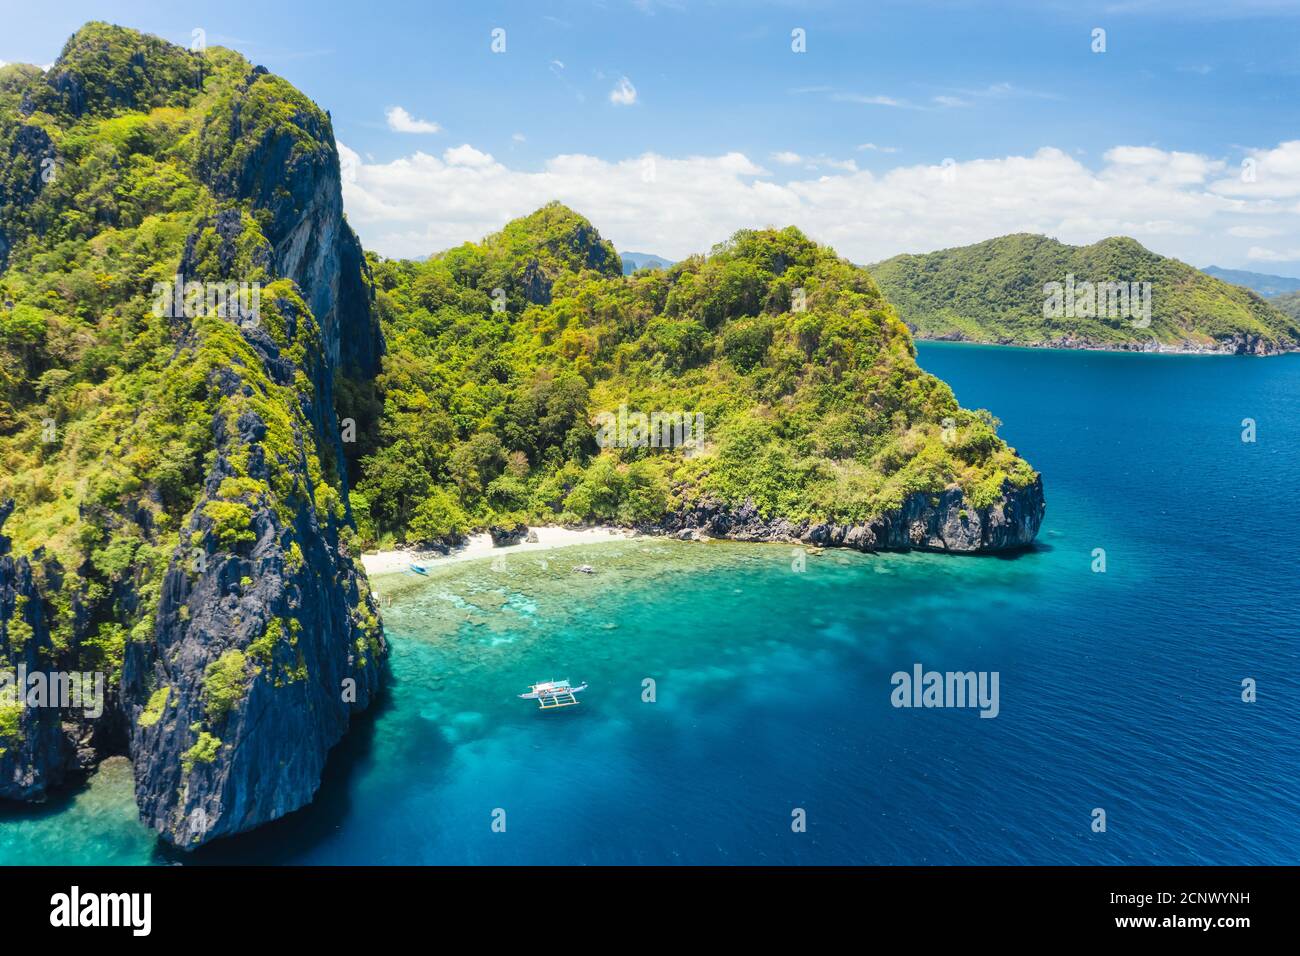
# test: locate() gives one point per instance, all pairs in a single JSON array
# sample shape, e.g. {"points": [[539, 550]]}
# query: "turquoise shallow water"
{"points": [[1118, 690]]}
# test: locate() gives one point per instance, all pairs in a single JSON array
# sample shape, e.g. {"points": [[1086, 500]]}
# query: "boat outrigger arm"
{"points": [[553, 693]]}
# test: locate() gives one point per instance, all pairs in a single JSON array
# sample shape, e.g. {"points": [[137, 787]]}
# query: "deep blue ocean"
{"points": [[1119, 691]]}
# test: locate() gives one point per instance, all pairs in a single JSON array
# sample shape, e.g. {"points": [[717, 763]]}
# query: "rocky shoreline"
{"points": [[941, 523], [926, 522], [1240, 344]]}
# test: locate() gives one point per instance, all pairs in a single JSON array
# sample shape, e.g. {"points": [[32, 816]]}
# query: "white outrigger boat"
{"points": [[550, 694]]}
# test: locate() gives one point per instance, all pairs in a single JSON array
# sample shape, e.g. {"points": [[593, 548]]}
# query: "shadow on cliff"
{"points": [[288, 839], [1037, 546], [59, 799], [294, 839], [284, 840]]}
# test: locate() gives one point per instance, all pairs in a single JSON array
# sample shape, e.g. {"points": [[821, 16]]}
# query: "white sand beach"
{"points": [[549, 537]]}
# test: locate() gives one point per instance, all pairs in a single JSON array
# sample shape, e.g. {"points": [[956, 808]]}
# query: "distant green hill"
{"points": [[1288, 304], [1263, 283], [1000, 291], [632, 261]]}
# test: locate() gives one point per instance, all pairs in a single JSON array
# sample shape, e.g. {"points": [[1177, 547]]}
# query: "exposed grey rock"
{"points": [[200, 777], [535, 284], [926, 522], [38, 757], [1249, 343], [301, 192], [501, 537], [31, 150], [326, 665]]}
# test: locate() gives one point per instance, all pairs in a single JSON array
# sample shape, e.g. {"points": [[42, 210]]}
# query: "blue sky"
{"points": [[883, 88]]}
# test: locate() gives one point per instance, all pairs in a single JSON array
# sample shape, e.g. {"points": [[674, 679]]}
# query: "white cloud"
{"points": [[623, 93], [787, 158], [844, 165], [952, 99], [1265, 174], [1142, 164], [1254, 232], [878, 149], [467, 155], [1187, 205], [400, 121], [1260, 254], [873, 100], [349, 164]]}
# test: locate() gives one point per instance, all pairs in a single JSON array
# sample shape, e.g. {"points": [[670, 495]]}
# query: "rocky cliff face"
{"points": [[282, 625], [261, 651], [28, 158], [239, 662], [289, 170], [35, 754], [942, 522]]}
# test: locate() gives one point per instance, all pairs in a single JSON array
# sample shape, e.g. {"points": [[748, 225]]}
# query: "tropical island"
{"points": [[1001, 292], [819, 424], [190, 472]]}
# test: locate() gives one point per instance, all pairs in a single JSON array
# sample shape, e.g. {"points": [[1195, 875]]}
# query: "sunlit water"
{"points": [[1119, 691]]}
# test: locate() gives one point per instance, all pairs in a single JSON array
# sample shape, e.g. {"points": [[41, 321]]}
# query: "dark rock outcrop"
{"points": [[502, 537], [287, 618], [35, 754], [290, 618], [535, 284], [28, 166], [1248, 343], [926, 522]]}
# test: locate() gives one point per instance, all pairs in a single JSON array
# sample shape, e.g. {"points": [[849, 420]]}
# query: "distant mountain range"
{"points": [[1266, 285], [1027, 289], [632, 261]]}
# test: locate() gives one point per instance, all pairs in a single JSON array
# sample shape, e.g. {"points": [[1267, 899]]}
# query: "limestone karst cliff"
{"points": [[174, 476]]}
